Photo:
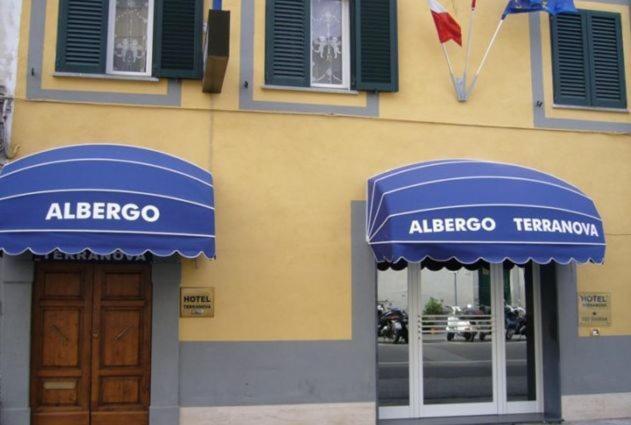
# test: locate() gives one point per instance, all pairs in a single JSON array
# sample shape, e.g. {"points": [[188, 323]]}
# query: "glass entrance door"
{"points": [[472, 343]]}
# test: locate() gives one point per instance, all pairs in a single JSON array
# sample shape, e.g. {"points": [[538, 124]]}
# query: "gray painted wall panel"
{"points": [[16, 278], [593, 365], [165, 342], [288, 372]]}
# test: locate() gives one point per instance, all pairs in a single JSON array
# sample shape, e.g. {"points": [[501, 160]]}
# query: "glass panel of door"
{"points": [[470, 347]]}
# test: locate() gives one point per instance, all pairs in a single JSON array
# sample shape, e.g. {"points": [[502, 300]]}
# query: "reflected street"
{"points": [[456, 371]]}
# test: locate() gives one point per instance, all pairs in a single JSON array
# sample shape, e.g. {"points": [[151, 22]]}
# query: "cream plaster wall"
{"points": [[284, 182]]}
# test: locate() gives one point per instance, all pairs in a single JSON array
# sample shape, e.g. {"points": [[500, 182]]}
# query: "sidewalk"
{"points": [[626, 421]]}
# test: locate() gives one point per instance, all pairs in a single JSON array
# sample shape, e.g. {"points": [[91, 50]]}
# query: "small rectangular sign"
{"points": [[594, 309], [60, 385], [197, 302]]}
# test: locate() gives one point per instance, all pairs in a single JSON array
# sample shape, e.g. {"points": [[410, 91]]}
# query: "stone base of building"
{"points": [[300, 414], [596, 406]]}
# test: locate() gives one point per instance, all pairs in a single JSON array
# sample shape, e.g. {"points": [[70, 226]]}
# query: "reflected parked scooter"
{"points": [[515, 322], [392, 324]]}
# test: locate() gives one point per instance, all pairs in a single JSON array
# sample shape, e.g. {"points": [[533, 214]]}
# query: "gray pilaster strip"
{"points": [[246, 100], [536, 68], [16, 275], [165, 344], [34, 89], [293, 372]]}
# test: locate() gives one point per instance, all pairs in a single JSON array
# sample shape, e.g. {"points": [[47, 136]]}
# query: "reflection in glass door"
{"points": [[457, 345], [523, 386], [392, 346], [472, 342]]}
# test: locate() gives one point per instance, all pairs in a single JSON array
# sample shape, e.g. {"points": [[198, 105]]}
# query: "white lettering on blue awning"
{"points": [[528, 224], [452, 224], [102, 211]]}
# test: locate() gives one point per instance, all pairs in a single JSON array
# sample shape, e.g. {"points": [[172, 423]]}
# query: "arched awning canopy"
{"points": [[471, 211], [105, 198]]}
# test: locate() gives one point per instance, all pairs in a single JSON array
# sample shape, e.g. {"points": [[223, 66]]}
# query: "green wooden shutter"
{"points": [[606, 60], [288, 43], [82, 36], [375, 42], [178, 39], [570, 59]]}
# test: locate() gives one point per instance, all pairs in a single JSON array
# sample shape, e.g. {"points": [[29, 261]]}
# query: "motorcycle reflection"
{"points": [[515, 322], [392, 324]]}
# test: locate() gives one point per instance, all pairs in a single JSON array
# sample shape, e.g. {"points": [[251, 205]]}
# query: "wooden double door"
{"points": [[90, 347]]}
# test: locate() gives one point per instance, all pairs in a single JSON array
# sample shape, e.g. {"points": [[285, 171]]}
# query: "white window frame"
{"points": [[111, 22], [500, 404], [346, 47]]}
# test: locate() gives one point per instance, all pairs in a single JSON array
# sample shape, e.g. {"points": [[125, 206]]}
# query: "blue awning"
{"points": [[105, 198], [470, 211]]}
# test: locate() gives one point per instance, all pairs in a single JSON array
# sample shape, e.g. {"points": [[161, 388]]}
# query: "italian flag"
{"points": [[446, 25]]}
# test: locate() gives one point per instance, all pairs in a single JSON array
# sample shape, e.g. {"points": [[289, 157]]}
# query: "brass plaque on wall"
{"points": [[594, 309], [60, 385], [197, 302]]}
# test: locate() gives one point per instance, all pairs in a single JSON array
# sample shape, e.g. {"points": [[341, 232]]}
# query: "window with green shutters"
{"points": [[159, 38], [588, 59], [332, 43]]}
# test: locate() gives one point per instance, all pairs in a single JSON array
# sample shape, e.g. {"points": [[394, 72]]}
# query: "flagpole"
{"points": [[451, 68], [486, 54], [468, 54]]}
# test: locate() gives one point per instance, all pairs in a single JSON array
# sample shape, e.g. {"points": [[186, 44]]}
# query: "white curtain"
{"points": [[130, 35]]}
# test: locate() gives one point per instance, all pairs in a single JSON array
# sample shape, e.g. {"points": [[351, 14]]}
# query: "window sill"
{"points": [[591, 108], [105, 76], [310, 89]]}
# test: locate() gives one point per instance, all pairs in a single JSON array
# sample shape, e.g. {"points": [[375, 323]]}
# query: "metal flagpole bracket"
{"points": [[460, 84]]}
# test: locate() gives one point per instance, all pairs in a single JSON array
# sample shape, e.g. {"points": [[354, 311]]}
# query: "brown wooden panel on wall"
{"points": [[90, 358]]}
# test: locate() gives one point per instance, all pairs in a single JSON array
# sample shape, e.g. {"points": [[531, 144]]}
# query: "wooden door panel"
{"points": [[121, 352], [61, 418], [120, 418], [60, 345], [121, 337], [60, 285], [120, 390], [61, 333], [58, 392], [126, 286]]}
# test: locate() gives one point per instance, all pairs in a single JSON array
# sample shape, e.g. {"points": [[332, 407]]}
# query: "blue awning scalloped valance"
{"points": [[470, 211], [105, 198]]}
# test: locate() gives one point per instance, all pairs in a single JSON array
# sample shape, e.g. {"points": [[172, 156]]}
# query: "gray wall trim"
{"points": [[536, 68], [16, 275], [165, 350], [246, 100], [292, 372], [589, 365], [34, 90]]}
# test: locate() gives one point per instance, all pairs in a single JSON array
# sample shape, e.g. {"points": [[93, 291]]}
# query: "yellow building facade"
{"points": [[292, 337]]}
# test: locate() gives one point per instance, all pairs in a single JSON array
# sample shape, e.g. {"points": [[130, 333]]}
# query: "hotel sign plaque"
{"points": [[197, 302], [594, 309]]}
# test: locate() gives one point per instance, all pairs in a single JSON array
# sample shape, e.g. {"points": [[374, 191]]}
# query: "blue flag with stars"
{"points": [[551, 6]]}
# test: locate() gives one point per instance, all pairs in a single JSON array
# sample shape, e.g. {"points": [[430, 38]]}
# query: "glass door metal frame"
{"points": [[499, 403]]}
